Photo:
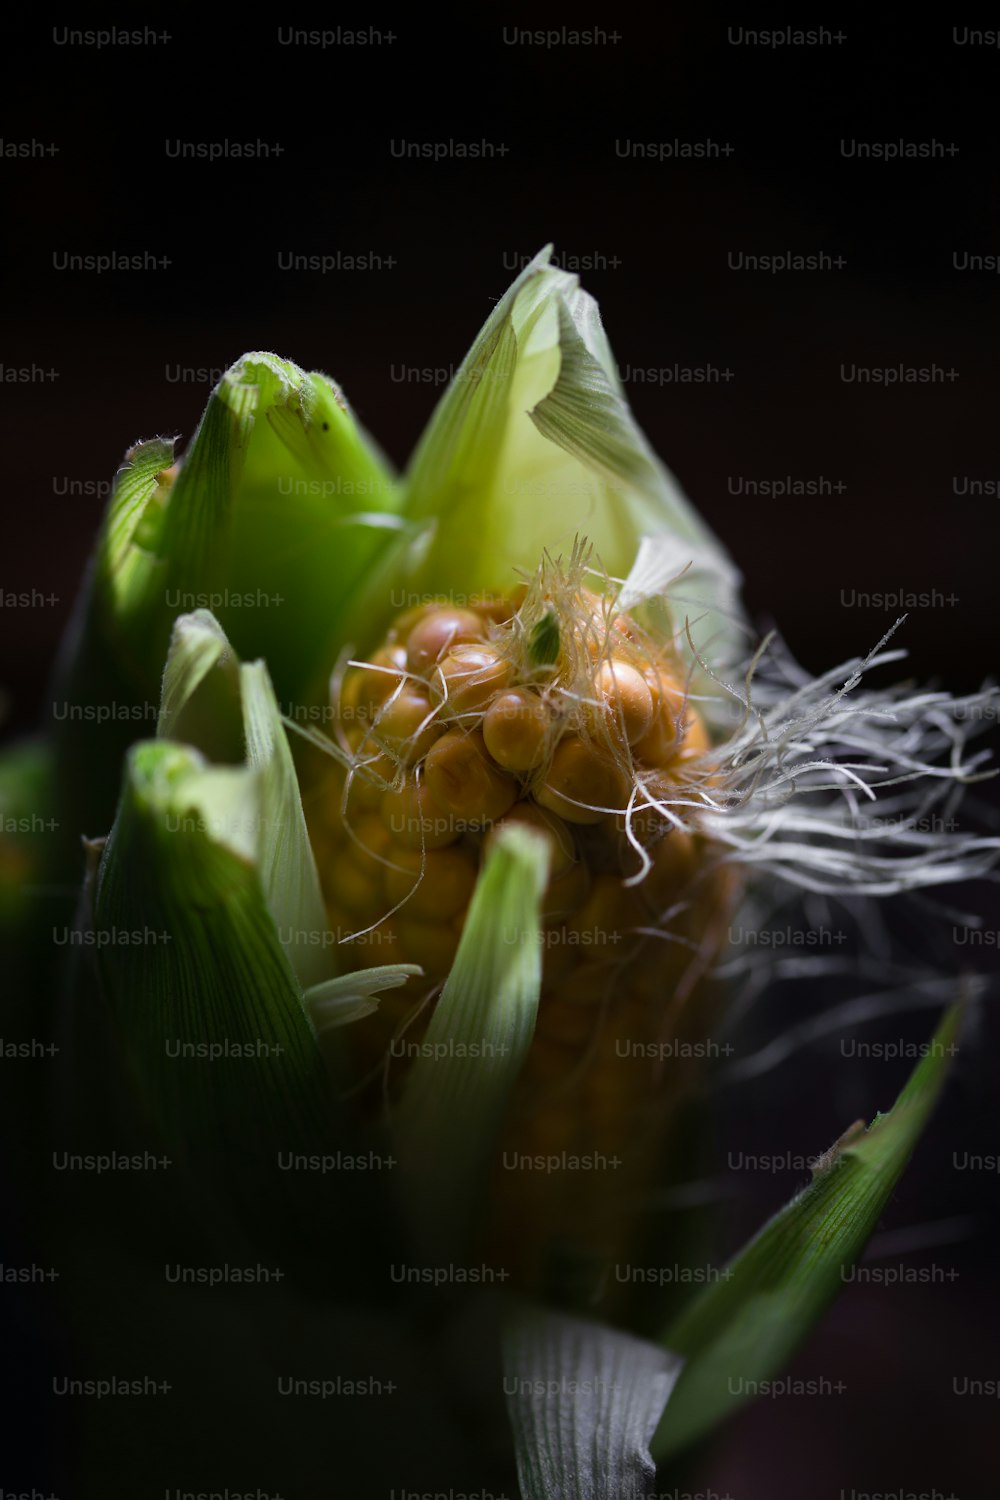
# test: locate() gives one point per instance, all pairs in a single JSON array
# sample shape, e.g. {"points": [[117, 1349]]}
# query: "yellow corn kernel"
{"points": [[358, 891], [516, 728], [470, 677], [564, 894], [352, 872], [581, 784], [625, 698], [675, 733], [674, 866], [462, 779], [598, 924], [438, 885], [437, 632], [374, 773], [432, 945], [321, 805], [366, 688], [406, 725], [413, 817], [499, 611]]}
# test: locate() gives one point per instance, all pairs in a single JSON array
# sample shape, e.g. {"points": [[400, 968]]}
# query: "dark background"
{"points": [[454, 228]]}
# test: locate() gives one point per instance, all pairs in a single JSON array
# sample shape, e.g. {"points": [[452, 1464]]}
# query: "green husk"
{"points": [[583, 1400], [459, 1086], [744, 1327], [277, 509]]}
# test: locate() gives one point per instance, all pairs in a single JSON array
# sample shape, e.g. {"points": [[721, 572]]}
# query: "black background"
{"points": [[454, 228]]}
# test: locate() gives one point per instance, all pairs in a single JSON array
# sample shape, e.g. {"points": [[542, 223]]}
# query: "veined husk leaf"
{"points": [[584, 1400], [534, 444], [286, 864], [743, 1328], [350, 997], [459, 1086], [200, 695], [271, 518], [187, 956], [203, 684]]}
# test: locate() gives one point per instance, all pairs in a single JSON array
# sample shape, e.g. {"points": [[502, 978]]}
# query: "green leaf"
{"points": [[127, 561], [196, 1009], [459, 1086], [210, 700], [259, 517], [533, 444], [188, 951], [742, 1329], [285, 858], [317, 510], [272, 523], [200, 699], [351, 997], [584, 1400]]}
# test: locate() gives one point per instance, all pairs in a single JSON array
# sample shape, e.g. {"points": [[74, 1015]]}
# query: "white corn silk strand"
{"points": [[836, 787]]}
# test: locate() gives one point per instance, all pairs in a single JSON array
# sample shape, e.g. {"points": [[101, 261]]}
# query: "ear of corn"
{"points": [[454, 733], [525, 738]]}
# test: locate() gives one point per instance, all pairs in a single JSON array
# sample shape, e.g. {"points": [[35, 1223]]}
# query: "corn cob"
{"points": [[551, 709]]}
